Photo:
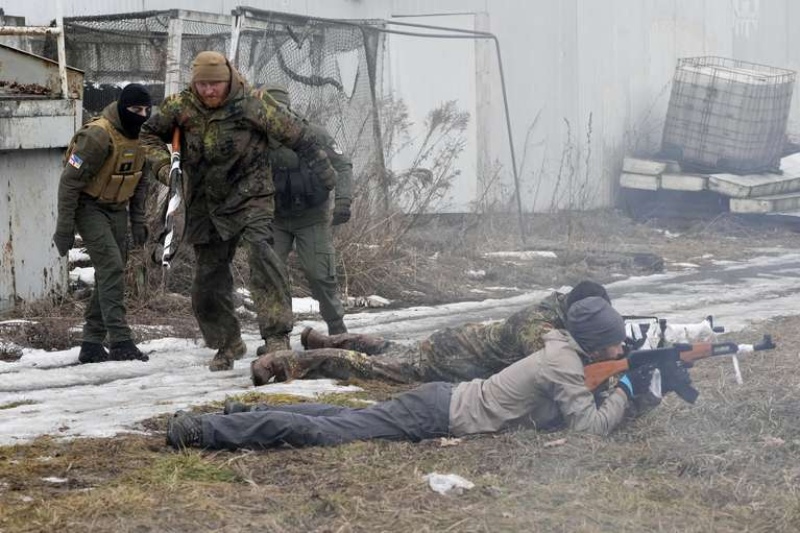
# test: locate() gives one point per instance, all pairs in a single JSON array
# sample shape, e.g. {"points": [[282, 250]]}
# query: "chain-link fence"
{"points": [[147, 47], [329, 68]]}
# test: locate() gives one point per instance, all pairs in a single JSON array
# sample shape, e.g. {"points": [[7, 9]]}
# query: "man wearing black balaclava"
{"points": [[101, 182]]}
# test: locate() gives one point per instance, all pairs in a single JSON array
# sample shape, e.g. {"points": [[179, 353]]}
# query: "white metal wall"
{"points": [[613, 60]]}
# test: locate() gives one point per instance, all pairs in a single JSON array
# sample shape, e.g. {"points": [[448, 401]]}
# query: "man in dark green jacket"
{"points": [[101, 181], [303, 216], [225, 130]]}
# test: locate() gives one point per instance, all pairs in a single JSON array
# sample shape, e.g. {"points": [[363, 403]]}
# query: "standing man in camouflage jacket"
{"points": [[101, 182], [225, 130], [470, 351], [303, 219]]}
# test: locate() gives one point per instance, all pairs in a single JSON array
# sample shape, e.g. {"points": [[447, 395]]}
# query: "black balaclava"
{"points": [[585, 289], [132, 94]]}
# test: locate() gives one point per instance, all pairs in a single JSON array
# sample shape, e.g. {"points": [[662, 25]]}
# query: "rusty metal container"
{"points": [[36, 124]]}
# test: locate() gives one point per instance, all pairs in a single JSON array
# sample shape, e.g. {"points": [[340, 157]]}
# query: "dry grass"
{"points": [[728, 463]]}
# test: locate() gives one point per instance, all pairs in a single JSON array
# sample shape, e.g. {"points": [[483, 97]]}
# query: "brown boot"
{"points": [[311, 339], [224, 358], [273, 343], [367, 344]]}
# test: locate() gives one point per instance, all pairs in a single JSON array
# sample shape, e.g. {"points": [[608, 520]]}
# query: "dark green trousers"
{"points": [[104, 230], [313, 242], [212, 287]]}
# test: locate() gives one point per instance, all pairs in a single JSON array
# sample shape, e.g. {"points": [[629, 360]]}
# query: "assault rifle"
{"points": [[672, 362]]}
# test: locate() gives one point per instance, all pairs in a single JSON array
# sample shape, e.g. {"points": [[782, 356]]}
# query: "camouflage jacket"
{"points": [[480, 350], [90, 149], [454, 354], [224, 156]]}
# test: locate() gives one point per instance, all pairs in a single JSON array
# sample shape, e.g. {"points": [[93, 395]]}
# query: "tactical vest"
{"points": [[296, 187], [116, 180]]}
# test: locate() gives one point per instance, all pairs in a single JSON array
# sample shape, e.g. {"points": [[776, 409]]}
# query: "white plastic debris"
{"points": [[377, 301], [448, 483], [674, 333], [524, 255], [476, 274], [698, 332]]}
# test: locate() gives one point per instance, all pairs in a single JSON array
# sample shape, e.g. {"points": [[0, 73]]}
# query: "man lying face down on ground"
{"points": [[463, 353], [543, 390]]}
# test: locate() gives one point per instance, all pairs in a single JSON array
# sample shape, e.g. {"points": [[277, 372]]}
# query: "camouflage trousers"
{"points": [[212, 288], [104, 230]]}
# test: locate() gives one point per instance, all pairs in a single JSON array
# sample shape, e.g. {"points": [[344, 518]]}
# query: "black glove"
{"points": [[636, 382], [341, 211], [139, 232], [63, 242]]}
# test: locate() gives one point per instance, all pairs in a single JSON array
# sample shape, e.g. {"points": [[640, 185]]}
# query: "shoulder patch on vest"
{"points": [[75, 160]]}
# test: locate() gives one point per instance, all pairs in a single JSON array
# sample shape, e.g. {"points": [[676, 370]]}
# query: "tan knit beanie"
{"points": [[210, 66]]}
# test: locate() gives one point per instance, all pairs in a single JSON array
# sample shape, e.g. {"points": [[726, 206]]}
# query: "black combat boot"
{"points": [[184, 430], [126, 351], [225, 356], [92, 352], [235, 407]]}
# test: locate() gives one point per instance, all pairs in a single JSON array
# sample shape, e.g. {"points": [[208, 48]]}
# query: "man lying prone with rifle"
{"points": [[553, 387], [546, 389]]}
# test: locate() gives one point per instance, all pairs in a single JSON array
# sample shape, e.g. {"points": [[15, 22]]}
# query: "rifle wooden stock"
{"points": [[596, 374]]}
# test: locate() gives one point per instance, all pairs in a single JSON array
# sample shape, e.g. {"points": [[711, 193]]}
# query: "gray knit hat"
{"points": [[594, 324], [279, 93]]}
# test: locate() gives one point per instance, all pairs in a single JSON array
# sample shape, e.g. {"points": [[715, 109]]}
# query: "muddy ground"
{"points": [[727, 463]]}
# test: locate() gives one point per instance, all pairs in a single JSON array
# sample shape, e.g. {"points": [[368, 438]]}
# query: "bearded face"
{"points": [[212, 93]]}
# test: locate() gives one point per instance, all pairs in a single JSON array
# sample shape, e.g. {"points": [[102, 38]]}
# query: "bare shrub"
{"points": [[45, 325], [373, 251]]}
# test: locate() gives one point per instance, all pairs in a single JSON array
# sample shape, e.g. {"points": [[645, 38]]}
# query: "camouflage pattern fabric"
{"points": [[331, 363], [454, 354], [480, 350], [224, 156], [229, 194]]}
